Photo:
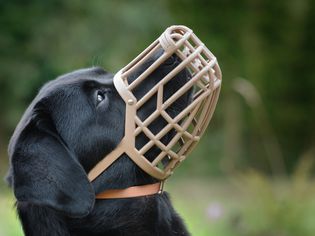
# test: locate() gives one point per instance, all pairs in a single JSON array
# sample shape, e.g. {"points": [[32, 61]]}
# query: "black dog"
{"points": [[73, 122]]}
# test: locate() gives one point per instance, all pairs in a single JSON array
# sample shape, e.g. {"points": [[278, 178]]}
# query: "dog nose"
{"points": [[99, 70], [172, 60]]}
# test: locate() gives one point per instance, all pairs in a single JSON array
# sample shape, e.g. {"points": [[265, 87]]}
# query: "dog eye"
{"points": [[100, 97]]}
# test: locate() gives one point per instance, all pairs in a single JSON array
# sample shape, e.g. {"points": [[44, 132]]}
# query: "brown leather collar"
{"points": [[134, 191]]}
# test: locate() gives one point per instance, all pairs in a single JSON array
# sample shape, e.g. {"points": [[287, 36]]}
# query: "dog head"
{"points": [[73, 122]]}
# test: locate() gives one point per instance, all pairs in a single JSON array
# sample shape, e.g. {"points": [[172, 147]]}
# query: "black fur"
{"points": [[64, 132]]}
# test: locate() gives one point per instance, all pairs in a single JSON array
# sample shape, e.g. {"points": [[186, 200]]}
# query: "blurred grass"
{"points": [[245, 204], [205, 206], [9, 224], [190, 197]]}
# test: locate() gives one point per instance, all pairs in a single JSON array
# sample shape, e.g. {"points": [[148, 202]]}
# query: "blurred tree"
{"points": [[270, 43], [40, 40]]}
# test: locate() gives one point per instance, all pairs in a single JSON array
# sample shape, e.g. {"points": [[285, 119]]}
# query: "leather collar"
{"points": [[134, 191]]}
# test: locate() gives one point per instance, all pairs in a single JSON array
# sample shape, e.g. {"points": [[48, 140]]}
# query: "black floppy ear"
{"points": [[44, 170]]}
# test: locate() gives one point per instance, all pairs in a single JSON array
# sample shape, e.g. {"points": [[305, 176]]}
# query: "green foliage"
{"points": [[9, 225], [277, 207], [271, 44], [42, 39]]}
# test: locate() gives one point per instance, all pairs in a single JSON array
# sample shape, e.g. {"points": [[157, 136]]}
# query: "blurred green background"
{"points": [[252, 173]]}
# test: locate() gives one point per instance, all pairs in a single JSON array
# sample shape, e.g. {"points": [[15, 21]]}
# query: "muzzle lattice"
{"points": [[189, 124]]}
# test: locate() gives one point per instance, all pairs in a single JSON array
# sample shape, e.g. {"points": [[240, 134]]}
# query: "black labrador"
{"points": [[73, 122]]}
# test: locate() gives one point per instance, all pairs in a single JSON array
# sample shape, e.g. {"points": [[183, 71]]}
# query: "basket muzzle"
{"points": [[181, 129]]}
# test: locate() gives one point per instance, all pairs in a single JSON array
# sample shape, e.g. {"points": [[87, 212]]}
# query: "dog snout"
{"points": [[173, 60]]}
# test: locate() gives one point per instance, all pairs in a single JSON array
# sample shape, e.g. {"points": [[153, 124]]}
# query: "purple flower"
{"points": [[215, 211]]}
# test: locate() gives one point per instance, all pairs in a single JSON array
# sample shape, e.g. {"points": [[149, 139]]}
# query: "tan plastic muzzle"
{"points": [[189, 124]]}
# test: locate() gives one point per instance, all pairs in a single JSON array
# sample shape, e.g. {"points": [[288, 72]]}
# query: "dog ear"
{"points": [[44, 170]]}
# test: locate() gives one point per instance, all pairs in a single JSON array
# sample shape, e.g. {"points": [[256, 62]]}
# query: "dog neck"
{"points": [[131, 192], [122, 175]]}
